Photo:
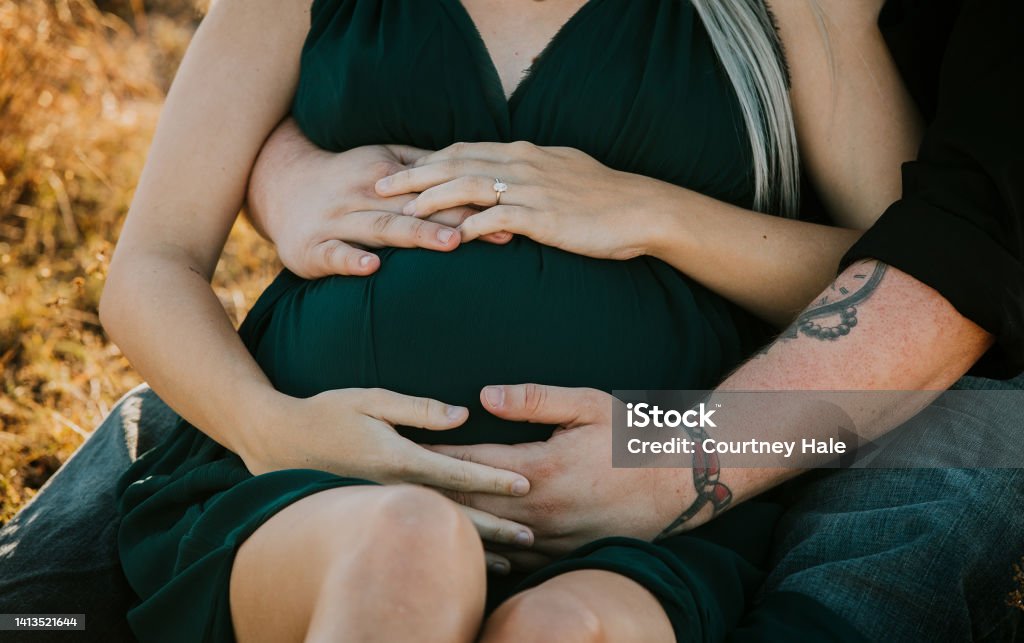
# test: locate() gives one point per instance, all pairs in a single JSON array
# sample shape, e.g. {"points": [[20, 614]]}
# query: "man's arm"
{"points": [[941, 265], [316, 208], [874, 328], [892, 334]]}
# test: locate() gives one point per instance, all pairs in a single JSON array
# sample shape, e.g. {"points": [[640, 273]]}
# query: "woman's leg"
{"points": [[578, 607], [361, 563]]}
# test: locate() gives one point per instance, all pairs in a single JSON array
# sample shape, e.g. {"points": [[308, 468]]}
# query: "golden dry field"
{"points": [[81, 84]]}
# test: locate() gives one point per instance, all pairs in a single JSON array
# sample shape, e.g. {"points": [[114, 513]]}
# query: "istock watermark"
{"points": [[643, 414], [815, 429]]}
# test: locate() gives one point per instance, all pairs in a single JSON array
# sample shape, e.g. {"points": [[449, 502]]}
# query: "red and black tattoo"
{"points": [[706, 473]]}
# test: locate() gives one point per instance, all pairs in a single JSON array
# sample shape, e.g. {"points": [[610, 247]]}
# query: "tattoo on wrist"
{"points": [[710, 491]]}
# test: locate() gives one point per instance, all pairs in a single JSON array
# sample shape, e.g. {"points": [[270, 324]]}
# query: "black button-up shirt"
{"points": [[959, 226]]}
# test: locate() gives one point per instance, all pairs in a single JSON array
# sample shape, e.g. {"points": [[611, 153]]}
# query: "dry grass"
{"points": [[1016, 596], [80, 90]]}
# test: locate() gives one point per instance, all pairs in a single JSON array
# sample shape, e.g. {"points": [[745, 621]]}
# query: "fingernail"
{"points": [[455, 412], [495, 396], [524, 538], [520, 488], [410, 207], [498, 568], [365, 260], [445, 235], [383, 184]]}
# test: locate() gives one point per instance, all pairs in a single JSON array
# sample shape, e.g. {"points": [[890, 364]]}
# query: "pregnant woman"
{"points": [[257, 519]]}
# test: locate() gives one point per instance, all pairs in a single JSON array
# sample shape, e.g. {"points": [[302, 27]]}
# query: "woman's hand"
{"points": [[557, 196], [351, 432]]}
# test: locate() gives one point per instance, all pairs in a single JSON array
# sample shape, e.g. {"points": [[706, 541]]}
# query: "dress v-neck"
{"points": [[489, 70]]}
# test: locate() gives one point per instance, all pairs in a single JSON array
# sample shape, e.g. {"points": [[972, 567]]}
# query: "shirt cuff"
{"points": [[979, 277]]}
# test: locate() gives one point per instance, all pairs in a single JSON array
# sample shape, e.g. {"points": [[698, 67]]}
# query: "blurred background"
{"points": [[81, 84]]}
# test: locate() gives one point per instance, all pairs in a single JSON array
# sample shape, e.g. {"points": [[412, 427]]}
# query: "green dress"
{"points": [[633, 83]]}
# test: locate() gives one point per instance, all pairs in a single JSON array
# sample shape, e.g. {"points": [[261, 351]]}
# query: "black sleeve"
{"points": [[959, 226]]}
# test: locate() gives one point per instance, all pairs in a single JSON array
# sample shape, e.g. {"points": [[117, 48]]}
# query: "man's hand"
{"points": [[320, 208], [575, 494]]}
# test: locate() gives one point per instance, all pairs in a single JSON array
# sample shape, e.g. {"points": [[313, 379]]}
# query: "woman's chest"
{"points": [[633, 83], [515, 32]]}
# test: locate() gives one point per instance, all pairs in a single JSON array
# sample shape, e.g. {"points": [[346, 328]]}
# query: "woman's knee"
{"points": [[348, 553], [414, 535], [582, 606], [409, 515], [545, 614]]}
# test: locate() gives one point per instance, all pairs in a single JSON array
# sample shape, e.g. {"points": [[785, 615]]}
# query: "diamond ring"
{"points": [[499, 187]]}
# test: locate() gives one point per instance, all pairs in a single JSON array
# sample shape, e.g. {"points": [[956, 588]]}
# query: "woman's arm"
{"points": [[856, 125], [235, 83], [856, 122]]}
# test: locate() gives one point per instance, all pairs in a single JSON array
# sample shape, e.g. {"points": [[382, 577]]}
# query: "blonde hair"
{"points": [[746, 42]]}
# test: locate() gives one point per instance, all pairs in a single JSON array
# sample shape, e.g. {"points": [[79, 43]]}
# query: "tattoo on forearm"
{"points": [[838, 304], [831, 317], [706, 472], [834, 315]]}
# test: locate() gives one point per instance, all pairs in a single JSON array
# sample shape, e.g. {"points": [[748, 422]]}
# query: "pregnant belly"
{"points": [[445, 325]]}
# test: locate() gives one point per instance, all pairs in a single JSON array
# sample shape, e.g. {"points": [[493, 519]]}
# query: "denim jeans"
{"points": [[913, 554], [58, 555], [907, 554]]}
